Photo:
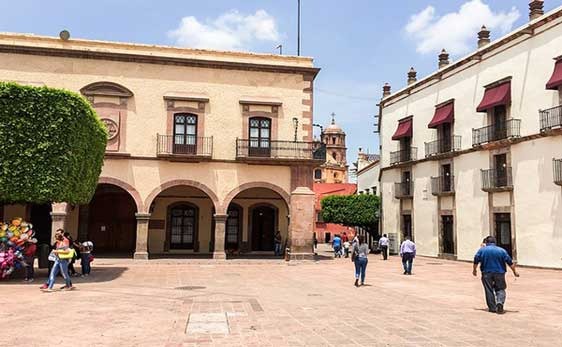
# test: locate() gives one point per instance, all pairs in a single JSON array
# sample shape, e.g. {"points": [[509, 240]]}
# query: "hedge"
{"points": [[52, 145], [351, 210]]}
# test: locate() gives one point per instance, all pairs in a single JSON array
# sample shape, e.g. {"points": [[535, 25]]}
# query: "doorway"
{"points": [[263, 228], [185, 133], [407, 226], [502, 230], [499, 122], [40, 217], [448, 235], [111, 220], [500, 164]]}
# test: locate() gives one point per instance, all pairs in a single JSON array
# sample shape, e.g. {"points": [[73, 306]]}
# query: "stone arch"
{"points": [[127, 187], [181, 182], [106, 88], [286, 196]]}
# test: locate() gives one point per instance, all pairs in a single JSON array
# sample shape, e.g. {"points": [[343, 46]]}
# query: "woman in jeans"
{"points": [[64, 254], [360, 253]]}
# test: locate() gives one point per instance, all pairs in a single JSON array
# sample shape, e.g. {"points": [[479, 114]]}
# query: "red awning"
{"points": [[495, 96], [404, 129], [443, 114], [556, 80]]}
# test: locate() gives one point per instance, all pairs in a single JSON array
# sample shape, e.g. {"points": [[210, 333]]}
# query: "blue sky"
{"points": [[359, 44]]}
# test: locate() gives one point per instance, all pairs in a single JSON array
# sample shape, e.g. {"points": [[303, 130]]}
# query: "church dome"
{"points": [[333, 128]]}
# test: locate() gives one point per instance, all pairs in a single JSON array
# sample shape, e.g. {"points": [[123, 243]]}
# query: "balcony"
{"points": [[403, 190], [557, 168], [443, 185], [184, 147], [403, 156], [551, 118], [279, 151], [510, 129], [494, 180], [442, 146]]}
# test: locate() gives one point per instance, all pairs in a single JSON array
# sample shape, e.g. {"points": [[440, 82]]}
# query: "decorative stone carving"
{"points": [[112, 128]]}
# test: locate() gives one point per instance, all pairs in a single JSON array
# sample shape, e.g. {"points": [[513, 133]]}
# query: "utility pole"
{"points": [[299, 28]]}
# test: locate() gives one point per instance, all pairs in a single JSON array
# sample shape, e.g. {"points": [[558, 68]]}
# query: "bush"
{"points": [[52, 145], [351, 210]]}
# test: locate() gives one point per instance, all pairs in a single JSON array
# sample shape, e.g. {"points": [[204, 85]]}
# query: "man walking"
{"points": [[408, 253], [492, 260], [336, 244], [383, 243]]}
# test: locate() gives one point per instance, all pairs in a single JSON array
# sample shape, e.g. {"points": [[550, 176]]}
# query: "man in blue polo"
{"points": [[492, 260]]}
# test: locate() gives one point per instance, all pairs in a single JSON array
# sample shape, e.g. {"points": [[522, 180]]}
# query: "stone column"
{"points": [[141, 249], [59, 211], [302, 223], [220, 234]]}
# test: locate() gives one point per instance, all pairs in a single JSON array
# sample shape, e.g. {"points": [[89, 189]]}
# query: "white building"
{"points": [[368, 169], [474, 148]]}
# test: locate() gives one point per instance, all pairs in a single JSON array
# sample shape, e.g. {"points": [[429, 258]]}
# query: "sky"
{"points": [[358, 44]]}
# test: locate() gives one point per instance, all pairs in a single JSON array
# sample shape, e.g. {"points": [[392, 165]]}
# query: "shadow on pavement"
{"points": [[98, 275]]}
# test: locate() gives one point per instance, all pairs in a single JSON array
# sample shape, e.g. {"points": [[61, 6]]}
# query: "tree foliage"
{"points": [[351, 210], [52, 145]]}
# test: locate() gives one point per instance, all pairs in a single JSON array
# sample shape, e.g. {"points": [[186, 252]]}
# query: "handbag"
{"points": [[52, 256], [68, 255]]}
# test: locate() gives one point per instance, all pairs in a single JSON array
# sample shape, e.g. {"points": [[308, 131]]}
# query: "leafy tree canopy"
{"points": [[52, 145], [351, 210]]}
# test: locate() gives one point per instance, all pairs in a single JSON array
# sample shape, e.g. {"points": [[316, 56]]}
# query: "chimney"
{"points": [[483, 37], [443, 59], [535, 9], [412, 76], [386, 90]]}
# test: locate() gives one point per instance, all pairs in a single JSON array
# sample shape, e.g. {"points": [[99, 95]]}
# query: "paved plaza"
{"points": [[274, 303]]}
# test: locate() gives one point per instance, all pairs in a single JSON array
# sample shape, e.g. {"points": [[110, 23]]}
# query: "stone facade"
{"points": [[204, 154]]}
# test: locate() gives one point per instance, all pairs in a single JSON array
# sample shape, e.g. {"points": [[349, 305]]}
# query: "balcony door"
{"points": [[446, 177], [260, 137], [502, 230], [405, 149], [406, 183], [185, 133], [499, 123], [444, 137], [500, 166]]}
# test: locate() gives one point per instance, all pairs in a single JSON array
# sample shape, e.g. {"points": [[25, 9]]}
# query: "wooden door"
{"points": [[185, 134], [260, 137], [263, 228], [183, 227]]}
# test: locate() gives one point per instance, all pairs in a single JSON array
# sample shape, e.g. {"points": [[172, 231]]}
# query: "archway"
{"points": [[110, 219], [263, 211], [40, 217]]}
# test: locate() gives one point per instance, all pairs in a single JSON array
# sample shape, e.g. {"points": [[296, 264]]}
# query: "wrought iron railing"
{"points": [[510, 129], [403, 155], [551, 118], [184, 145], [442, 185], [557, 170], [280, 149], [493, 179], [443, 145], [403, 189]]}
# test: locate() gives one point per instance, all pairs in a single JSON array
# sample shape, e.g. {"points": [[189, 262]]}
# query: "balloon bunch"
{"points": [[13, 238]]}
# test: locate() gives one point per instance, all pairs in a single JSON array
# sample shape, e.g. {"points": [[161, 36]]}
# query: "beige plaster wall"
{"points": [[425, 218], [369, 178]]}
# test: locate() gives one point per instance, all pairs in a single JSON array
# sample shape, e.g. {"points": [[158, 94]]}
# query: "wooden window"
{"points": [[318, 174], [185, 133], [260, 137], [183, 224]]}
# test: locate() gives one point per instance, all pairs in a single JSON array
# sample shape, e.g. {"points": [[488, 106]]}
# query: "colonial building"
{"points": [[474, 148], [334, 169], [208, 151]]}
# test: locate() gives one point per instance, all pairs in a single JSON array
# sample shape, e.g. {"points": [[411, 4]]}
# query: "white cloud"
{"points": [[229, 31], [457, 31]]}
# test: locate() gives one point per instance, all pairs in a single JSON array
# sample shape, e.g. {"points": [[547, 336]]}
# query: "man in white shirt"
{"points": [[383, 243]]}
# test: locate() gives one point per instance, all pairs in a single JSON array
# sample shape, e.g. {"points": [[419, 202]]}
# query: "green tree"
{"points": [[52, 145], [351, 210]]}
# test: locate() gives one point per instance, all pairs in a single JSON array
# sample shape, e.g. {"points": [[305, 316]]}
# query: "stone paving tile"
{"points": [[272, 303]]}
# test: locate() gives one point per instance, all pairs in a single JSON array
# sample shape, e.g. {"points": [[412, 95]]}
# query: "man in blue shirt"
{"points": [[492, 260], [336, 244]]}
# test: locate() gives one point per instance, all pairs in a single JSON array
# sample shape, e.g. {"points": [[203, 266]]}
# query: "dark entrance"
{"points": [[183, 226], [40, 217], [446, 177], [448, 235], [263, 228], [502, 223], [233, 223], [407, 226], [500, 163], [111, 220]]}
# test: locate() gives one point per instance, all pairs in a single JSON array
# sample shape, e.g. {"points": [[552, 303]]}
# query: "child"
{"points": [[29, 259], [86, 257]]}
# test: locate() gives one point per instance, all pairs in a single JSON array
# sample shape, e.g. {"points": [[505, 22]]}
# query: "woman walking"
{"points": [[62, 253], [360, 253]]}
